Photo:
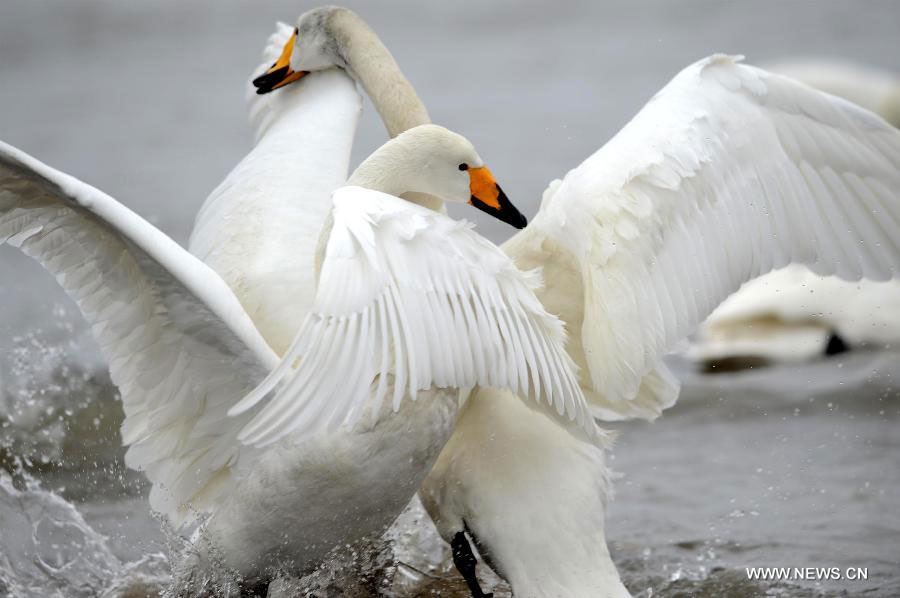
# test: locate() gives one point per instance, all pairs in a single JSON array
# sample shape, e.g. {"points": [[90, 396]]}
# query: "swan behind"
{"points": [[259, 228]]}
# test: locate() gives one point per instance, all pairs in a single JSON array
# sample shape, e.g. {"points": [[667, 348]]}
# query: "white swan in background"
{"points": [[792, 314], [726, 173], [259, 228]]}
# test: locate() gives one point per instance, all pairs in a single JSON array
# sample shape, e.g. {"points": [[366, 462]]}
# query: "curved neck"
{"points": [[370, 63], [389, 169]]}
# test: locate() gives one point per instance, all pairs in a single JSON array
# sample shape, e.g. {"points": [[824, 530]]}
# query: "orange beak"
{"points": [[280, 73], [487, 196]]}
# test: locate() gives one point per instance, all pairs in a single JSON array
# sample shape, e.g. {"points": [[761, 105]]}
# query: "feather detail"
{"points": [[409, 292]]}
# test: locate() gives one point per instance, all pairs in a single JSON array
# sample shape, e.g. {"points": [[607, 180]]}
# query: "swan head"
{"points": [[314, 46], [434, 160]]}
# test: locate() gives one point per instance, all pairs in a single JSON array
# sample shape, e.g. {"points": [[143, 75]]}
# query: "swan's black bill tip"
{"points": [[505, 210]]}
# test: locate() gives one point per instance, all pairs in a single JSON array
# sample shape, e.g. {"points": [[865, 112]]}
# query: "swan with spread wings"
{"points": [[728, 172]]}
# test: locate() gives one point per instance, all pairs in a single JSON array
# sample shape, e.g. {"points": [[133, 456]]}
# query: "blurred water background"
{"points": [[787, 466]]}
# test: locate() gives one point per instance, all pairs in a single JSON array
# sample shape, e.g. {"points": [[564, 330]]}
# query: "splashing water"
{"points": [[47, 548]]}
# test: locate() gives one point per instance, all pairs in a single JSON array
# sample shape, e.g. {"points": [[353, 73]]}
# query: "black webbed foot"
{"points": [[466, 562], [836, 345]]}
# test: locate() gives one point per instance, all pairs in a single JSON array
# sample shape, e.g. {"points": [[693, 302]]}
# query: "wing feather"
{"points": [[180, 348], [727, 173], [446, 307]]}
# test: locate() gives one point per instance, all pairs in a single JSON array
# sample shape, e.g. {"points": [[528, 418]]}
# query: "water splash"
{"points": [[47, 548], [49, 389]]}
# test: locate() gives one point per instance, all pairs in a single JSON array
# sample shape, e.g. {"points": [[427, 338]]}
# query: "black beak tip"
{"points": [[267, 81], [519, 222], [507, 212]]}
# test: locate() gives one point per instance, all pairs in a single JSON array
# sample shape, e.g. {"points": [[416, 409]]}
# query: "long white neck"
{"points": [[371, 63], [259, 228], [389, 169]]}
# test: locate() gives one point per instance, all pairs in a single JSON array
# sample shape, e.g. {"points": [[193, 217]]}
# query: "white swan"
{"points": [[259, 228], [726, 173], [194, 473], [410, 291], [792, 315]]}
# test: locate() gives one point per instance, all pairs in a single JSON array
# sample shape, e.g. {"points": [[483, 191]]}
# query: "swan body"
{"points": [[486, 484], [259, 230], [392, 447], [300, 499], [398, 282], [248, 232], [726, 173]]}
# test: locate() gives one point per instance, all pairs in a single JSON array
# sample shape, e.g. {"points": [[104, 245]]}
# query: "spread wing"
{"points": [[409, 292], [180, 348], [727, 173]]}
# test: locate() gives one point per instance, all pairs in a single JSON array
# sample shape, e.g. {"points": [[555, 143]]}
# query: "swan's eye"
{"points": [[464, 166]]}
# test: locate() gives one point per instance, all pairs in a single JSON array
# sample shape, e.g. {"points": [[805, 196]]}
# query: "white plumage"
{"points": [[867, 86], [180, 348], [406, 290], [726, 173], [409, 304], [259, 227], [791, 313]]}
